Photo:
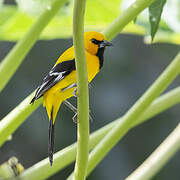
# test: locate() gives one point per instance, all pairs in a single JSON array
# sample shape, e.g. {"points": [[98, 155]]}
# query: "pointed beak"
{"points": [[105, 43]]}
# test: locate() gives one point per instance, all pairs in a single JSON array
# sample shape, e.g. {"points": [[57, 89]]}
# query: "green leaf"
{"points": [[155, 11]]}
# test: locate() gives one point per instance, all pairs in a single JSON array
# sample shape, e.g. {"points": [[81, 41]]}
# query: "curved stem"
{"points": [[13, 60], [83, 96], [118, 24], [67, 155], [158, 158], [137, 109]]}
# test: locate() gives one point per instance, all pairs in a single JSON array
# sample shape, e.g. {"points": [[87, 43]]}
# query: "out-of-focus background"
{"points": [[130, 67]]}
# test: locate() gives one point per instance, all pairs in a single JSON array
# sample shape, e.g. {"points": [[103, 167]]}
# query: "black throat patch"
{"points": [[100, 54]]}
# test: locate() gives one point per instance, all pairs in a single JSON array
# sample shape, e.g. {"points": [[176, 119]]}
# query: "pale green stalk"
{"points": [[159, 105], [118, 24], [158, 158], [83, 95], [68, 154], [14, 58], [16, 117], [122, 127]]}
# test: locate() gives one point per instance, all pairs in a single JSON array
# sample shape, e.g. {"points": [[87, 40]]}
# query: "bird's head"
{"points": [[94, 41]]}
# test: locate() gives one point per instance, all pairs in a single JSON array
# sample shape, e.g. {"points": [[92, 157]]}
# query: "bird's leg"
{"points": [[76, 114], [75, 90], [89, 85], [74, 109], [69, 87], [70, 106], [74, 118]]}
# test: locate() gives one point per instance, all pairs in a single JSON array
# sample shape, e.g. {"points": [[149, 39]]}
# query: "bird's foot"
{"points": [[69, 87], [74, 109], [75, 93], [89, 85], [75, 118]]}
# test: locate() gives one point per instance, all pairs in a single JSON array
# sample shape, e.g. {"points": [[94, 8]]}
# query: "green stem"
{"points": [[67, 155], [137, 109], [118, 24], [83, 96], [16, 117], [15, 57], [159, 105], [158, 158]]}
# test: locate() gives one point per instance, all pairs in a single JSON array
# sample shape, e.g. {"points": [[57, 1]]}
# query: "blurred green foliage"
{"points": [[99, 14]]}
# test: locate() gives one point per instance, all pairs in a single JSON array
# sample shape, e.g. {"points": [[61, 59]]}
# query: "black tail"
{"points": [[51, 139]]}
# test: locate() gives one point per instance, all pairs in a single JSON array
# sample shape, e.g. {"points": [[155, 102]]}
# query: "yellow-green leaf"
{"points": [[155, 11]]}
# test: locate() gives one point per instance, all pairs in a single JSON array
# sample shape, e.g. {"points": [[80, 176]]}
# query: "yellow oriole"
{"points": [[60, 83]]}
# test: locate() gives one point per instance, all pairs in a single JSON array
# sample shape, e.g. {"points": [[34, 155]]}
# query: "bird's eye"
{"points": [[94, 41]]}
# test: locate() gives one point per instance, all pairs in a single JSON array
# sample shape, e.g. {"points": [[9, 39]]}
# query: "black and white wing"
{"points": [[57, 73]]}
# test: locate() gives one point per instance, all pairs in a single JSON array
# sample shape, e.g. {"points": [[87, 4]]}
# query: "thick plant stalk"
{"points": [[158, 158], [13, 60], [68, 154], [118, 24], [137, 109], [83, 95]]}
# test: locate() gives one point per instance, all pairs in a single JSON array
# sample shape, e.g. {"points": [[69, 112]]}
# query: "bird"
{"points": [[60, 83]]}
